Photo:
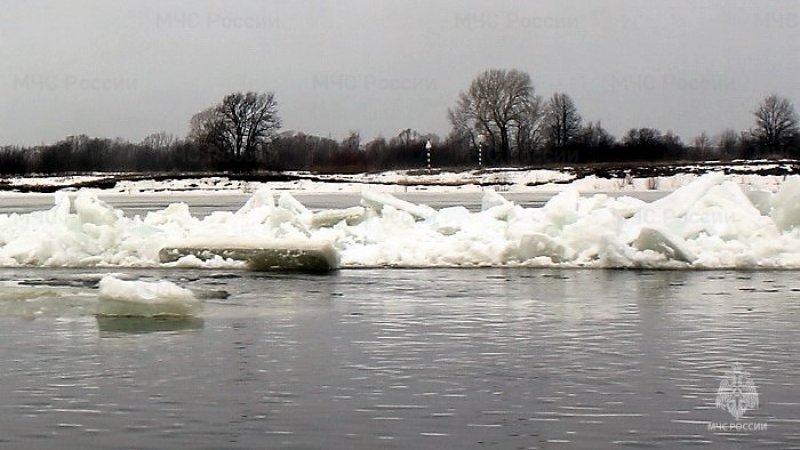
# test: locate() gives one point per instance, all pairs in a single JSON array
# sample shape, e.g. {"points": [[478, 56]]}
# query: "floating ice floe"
{"points": [[120, 298], [711, 223]]}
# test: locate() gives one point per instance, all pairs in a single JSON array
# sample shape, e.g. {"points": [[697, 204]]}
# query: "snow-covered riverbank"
{"points": [[763, 175]]}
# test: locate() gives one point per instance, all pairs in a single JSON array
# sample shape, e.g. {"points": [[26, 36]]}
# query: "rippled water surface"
{"points": [[402, 359]]}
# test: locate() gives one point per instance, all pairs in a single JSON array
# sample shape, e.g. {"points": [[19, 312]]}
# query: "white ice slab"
{"points": [[121, 298]]}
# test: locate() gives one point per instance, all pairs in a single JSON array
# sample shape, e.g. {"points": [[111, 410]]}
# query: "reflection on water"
{"points": [[112, 326], [413, 359]]}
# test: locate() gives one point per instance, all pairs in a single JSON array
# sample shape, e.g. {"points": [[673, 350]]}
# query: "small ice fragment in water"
{"points": [[145, 299]]}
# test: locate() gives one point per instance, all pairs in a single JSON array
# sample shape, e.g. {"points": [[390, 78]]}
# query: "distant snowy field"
{"points": [[762, 175]]}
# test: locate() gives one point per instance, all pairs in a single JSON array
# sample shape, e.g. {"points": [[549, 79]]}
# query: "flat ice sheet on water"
{"points": [[286, 255], [711, 223]]}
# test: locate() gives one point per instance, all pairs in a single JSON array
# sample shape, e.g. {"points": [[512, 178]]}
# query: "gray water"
{"points": [[484, 358]]}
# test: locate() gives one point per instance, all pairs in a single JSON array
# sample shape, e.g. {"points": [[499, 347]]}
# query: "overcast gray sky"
{"points": [[126, 68]]}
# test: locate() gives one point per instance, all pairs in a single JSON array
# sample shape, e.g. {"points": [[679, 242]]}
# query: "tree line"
{"points": [[499, 120]]}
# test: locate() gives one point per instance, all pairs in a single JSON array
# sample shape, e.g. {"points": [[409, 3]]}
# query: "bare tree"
{"points": [[776, 124], [562, 121], [352, 142], [498, 104], [202, 127], [594, 137], [728, 143], [702, 142], [405, 138], [703, 146], [240, 125], [160, 141], [530, 134]]}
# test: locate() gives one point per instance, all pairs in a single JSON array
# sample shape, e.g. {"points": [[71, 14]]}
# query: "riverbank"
{"points": [[764, 175]]}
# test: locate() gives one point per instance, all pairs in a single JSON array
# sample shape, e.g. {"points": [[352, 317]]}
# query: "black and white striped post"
{"points": [[428, 148], [481, 141]]}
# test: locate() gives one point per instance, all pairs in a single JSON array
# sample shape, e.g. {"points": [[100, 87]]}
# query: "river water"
{"points": [[437, 358]]}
